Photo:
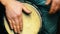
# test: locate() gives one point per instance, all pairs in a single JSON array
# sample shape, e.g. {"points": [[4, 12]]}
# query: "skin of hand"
{"points": [[54, 6], [14, 15]]}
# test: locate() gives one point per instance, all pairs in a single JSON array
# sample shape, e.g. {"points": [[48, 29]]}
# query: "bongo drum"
{"points": [[31, 23]]}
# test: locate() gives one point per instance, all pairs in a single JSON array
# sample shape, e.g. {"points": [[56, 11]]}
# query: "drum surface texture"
{"points": [[31, 23]]}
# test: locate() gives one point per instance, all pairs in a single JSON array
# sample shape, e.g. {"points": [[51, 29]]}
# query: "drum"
{"points": [[32, 23]]}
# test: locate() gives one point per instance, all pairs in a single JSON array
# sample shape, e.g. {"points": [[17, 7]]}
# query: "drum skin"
{"points": [[31, 23]]}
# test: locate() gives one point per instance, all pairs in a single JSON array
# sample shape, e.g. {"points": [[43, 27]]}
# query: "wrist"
{"points": [[6, 2]]}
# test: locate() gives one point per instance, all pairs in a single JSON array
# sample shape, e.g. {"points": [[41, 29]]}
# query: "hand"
{"points": [[14, 15], [54, 6]]}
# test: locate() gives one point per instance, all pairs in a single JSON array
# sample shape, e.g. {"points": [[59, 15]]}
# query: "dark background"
{"points": [[2, 14]]}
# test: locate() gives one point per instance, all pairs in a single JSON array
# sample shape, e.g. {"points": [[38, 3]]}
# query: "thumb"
{"points": [[26, 10], [48, 2]]}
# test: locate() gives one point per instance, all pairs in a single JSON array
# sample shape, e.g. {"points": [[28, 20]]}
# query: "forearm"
{"points": [[6, 2]]}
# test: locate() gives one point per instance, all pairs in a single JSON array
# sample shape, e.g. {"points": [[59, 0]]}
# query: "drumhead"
{"points": [[31, 23]]}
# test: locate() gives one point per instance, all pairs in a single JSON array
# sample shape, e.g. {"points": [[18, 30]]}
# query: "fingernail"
{"points": [[46, 3], [15, 31], [11, 27], [50, 12], [19, 31]]}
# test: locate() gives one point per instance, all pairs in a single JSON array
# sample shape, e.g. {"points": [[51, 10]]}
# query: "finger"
{"points": [[11, 23], [56, 8], [48, 2], [14, 26], [21, 22], [21, 25], [17, 25], [26, 10], [52, 9]]}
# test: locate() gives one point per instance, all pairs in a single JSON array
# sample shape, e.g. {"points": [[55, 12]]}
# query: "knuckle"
{"points": [[18, 27], [56, 2], [19, 14], [14, 27], [15, 16], [53, 10]]}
